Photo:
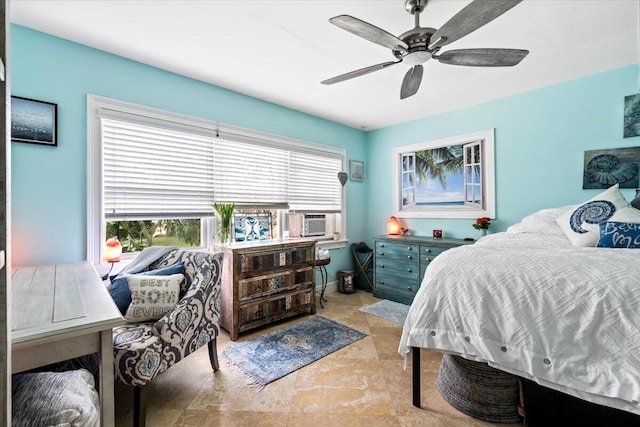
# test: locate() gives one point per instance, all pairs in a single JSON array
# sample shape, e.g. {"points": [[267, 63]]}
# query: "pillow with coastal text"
{"points": [[619, 235], [152, 296]]}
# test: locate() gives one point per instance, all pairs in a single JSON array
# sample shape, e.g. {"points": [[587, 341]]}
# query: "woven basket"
{"points": [[478, 390]]}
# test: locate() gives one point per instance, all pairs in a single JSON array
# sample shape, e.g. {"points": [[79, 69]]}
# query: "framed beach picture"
{"points": [[451, 177], [33, 121], [356, 170]]}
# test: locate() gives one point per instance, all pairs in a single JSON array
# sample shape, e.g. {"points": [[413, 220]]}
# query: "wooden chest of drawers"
{"points": [[400, 263], [266, 281]]}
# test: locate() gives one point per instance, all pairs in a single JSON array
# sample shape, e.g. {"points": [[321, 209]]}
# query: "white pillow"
{"points": [[152, 296], [581, 224], [541, 222]]}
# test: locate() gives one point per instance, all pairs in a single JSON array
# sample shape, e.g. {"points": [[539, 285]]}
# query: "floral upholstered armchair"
{"points": [[142, 351]]}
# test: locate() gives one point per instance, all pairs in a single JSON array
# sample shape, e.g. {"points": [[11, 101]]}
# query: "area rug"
{"points": [[389, 310], [272, 356]]}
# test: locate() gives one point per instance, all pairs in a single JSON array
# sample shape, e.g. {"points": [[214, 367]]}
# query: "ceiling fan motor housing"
{"points": [[418, 41]]}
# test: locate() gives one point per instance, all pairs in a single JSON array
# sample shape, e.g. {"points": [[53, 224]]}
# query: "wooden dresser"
{"points": [[400, 263], [266, 281]]}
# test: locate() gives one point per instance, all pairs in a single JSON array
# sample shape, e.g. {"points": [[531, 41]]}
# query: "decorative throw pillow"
{"points": [[152, 296], [581, 224], [619, 235], [119, 288]]}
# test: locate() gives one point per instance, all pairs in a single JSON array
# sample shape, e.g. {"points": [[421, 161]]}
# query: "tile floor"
{"points": [[363, 384]]}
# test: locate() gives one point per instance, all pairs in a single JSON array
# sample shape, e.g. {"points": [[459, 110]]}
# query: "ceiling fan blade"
{"points": [[411, 82], [369, 32], [469, 19], [358, 73], [483, 57]]}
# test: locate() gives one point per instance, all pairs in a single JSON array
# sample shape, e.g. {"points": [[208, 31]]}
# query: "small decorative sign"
{"points": [[33, 121]]}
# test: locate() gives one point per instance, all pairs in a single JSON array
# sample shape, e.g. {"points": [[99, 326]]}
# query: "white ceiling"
{"points": [[280, 51]]}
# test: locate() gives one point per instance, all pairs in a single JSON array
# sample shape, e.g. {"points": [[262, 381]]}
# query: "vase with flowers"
{"points": [[482, 224], [225, 213]]}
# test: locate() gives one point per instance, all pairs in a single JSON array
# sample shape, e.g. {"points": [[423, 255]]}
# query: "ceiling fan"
{"points": [[418, 45]]}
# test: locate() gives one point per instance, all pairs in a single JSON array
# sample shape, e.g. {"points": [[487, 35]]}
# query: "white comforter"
{"points": [[536, 306]]}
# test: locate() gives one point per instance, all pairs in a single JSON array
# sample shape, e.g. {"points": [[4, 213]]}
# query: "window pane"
{"points": [[137, 235]]}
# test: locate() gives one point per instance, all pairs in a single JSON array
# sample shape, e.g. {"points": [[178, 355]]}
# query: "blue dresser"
{"points": [[400, 263]]}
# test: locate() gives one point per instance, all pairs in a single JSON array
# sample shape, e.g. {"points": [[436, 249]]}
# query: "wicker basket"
{"points": [[478, 390]]}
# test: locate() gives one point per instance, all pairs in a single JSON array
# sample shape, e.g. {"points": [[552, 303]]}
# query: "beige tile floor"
{"points": [[363, 384]]}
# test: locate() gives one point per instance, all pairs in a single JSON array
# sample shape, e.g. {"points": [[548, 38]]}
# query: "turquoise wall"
{"points": [[49, 184], [540, 139]]}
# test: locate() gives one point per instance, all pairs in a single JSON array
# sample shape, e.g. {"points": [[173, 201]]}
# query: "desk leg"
{"points": [[107, 404]]}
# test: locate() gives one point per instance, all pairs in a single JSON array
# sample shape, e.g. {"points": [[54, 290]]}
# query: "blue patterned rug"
{"points": [[389, 310], [272, 356]]}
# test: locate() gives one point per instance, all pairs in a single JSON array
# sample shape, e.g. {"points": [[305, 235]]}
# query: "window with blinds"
{"points": [[151, 165], [155, 173]]}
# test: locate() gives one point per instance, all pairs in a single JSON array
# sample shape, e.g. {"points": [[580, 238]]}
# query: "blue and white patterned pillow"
{"points": [[619, 235], [580, 225]]}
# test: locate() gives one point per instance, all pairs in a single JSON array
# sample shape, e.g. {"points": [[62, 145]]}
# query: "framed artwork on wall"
{"points": [[451, 177], [33, 121], [356, 170], [631, 116], [604, 168]]}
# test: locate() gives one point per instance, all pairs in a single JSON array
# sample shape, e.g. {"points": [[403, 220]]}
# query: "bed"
{"points": [[531, 302]]}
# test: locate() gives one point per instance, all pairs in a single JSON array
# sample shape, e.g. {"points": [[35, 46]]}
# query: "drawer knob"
{"points": [[382, 245], [382, 282], [381, 265], [381, 253], [409, 257], [409, 248], [409, 270], [427, 259], [427, 250], [409, 288]]}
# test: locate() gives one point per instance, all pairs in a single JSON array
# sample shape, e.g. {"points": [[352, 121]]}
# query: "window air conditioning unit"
{"points": [[307, 225]]}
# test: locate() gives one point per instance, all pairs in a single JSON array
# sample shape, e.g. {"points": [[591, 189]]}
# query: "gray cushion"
{"points": [[55, 399]]}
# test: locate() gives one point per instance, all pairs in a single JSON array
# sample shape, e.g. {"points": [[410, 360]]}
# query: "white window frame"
{"points": [[486, 139], [95, 203]]}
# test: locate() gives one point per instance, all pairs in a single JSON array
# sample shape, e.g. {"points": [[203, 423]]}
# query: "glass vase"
{"points": [[224, 230]]}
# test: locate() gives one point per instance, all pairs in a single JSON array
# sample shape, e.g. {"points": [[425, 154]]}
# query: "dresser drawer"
{"points": [[410, 284], [257, 262], [258, 286], [275, 308], [410, 271], [397, 293], [407, 252]]}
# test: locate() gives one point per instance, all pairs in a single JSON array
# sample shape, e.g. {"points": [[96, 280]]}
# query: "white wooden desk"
{"points": [[59, 312]]}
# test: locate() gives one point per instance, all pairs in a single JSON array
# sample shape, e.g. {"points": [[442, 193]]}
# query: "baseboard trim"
{"points": [[331, 288]]}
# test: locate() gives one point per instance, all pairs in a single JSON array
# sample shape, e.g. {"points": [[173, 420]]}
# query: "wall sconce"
{"points": [[112, 252], [393, 226]]}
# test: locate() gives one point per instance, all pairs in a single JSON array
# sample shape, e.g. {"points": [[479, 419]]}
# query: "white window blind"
{"points": [[155, 172], [313, 182], [251, 175]]}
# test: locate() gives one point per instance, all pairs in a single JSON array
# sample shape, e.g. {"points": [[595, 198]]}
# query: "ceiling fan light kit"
{"points": [[420, 44]]}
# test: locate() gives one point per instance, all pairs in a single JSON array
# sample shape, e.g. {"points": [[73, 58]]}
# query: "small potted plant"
{"points": [[225, 213], [482, 224]]}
